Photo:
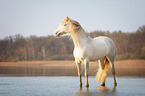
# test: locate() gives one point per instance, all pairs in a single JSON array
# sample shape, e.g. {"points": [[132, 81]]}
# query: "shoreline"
{"points": [[135, 68]]}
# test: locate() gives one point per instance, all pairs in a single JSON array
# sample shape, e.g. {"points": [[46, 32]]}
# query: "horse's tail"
{"points": [[102, 72]]}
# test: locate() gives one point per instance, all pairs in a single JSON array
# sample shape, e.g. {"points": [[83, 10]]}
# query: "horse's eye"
{"points": [[65, 24]]}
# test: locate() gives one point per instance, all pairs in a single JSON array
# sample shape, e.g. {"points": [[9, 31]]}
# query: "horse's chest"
{"points": [[78, 53]]}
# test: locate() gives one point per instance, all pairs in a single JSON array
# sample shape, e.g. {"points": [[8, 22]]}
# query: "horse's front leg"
{"points": [[79, 72], [86, 62]]}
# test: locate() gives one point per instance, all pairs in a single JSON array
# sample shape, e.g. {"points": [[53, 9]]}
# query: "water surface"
{"points": [[68, 86]]}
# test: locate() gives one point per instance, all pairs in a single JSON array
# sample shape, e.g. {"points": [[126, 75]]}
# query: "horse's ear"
{"points": [[67, 18]]}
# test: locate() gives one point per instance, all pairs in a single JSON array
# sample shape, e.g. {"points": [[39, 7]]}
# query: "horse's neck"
{"points": [[79, 39]]}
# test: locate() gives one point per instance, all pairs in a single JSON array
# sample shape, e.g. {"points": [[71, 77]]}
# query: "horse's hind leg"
{"points": [[113, 71], [105, 69], [99, 76]]}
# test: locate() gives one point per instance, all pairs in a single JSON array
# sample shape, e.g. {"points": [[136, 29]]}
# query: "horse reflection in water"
{"points": [[101, 90], [88, 49]]}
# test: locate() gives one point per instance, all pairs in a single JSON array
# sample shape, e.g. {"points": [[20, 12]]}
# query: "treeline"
{"points": [[19, 48]]}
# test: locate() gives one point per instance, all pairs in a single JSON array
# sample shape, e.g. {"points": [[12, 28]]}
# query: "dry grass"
{"points": [[68, 68]]}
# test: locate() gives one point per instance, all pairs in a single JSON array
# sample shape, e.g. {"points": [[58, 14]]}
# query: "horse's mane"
{"points": [[77, 29]]}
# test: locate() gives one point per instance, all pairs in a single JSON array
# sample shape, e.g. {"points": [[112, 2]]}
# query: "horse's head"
{"points": [[67, 26], [64, 27]]}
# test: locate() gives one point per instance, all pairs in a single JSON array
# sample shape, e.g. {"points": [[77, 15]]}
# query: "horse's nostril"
{"points": [[57, 34]]}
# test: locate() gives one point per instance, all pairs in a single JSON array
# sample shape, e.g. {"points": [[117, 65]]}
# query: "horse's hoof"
{"points": [[115, 84], [87, 85], [103, 84], [80, 85]]}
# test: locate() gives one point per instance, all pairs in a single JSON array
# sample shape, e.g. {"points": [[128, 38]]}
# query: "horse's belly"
{"points": [[91, 53], [97, 51], [97, 56]]}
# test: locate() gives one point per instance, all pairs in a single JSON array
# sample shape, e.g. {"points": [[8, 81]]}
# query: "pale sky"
{"points": [[42, 17]]}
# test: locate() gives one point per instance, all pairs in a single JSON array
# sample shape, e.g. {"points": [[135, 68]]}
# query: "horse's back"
{"points": [[110, 45], [103, 38], [107, 40]]}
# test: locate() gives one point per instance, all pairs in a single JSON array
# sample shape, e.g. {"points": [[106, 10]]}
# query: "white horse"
{"points": [[86, 49]]}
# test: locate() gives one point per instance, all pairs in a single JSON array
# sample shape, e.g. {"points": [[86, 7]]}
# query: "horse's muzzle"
{"points": [[57, 34]]}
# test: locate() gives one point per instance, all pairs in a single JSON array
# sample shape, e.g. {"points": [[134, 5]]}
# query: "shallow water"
{"points": [[68, 86]]}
